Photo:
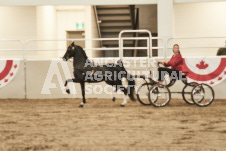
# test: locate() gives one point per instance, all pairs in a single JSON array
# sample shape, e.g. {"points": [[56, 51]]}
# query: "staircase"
{"points": [[114, 18]]}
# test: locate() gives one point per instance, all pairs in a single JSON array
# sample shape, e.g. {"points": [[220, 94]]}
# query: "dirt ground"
{"points": [[102, 125]]}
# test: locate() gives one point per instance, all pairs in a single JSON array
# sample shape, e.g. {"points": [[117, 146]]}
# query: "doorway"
{"points": [[76, 34]]}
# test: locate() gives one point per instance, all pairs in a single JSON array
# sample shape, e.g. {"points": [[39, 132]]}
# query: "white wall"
{"points": [[66, 21], [67, 17], [165, 23], [200, 19], [46, 29], [17, 22], [44, 23]]}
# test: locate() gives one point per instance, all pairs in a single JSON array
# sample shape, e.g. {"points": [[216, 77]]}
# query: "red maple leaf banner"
{"points": [[219, 78], [202, 65]]}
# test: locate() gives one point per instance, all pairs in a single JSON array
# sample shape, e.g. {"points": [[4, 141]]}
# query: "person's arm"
{"points": [[169, 63], [174, 61], [162, 61]]}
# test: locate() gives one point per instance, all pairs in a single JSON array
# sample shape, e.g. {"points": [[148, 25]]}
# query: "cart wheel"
{"points": [[159, 95], [142, 93], [202, 95], [186, 92]]}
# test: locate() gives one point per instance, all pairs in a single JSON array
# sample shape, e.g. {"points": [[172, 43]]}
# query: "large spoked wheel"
{"points": [[186, 92], [202, 95], [159, 95], [142, 93]]}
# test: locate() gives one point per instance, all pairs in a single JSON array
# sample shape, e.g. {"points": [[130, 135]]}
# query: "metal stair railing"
{"points": [[98, 24]]}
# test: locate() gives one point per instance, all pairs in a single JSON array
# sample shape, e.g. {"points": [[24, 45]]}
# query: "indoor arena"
{"points": [[112, 75]]}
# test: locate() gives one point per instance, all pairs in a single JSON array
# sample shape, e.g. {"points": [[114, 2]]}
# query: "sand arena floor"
{"points": [[102, 125]]}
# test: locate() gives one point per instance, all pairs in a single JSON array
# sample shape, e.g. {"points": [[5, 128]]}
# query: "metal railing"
{"points": [[149, 41], [97, 23], [120, 48], [12, 43], [24, 46]]}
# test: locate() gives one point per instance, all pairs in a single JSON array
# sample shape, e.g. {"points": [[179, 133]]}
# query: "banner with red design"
{"points": [[209, 70], [8, 70]]}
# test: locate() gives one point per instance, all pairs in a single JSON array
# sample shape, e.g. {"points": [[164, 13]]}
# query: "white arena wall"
{"points": [[38, 85]]}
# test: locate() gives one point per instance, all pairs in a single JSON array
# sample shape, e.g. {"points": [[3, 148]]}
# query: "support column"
{"points": [[88, 29], [46, 29], [165, 23], [91, 31]]}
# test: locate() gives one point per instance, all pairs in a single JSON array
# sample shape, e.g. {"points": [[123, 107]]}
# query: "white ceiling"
{"points": [[89, 2]]}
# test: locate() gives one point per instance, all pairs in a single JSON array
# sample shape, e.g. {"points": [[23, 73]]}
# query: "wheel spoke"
{"points": [[142, 93], [202, 95], [186, 92], [159, 95]]}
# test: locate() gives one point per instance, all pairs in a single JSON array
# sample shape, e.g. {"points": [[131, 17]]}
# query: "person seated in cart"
{"points": [[176, 63]]}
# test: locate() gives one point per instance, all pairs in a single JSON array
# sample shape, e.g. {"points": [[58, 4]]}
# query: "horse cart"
{"points": [[159, 95]]}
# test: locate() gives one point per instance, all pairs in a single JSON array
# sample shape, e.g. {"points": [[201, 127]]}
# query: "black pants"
{"points": [[163, 71]]}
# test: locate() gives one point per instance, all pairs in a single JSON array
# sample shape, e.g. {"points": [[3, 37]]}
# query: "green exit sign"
{"points": [[79, 25]]}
